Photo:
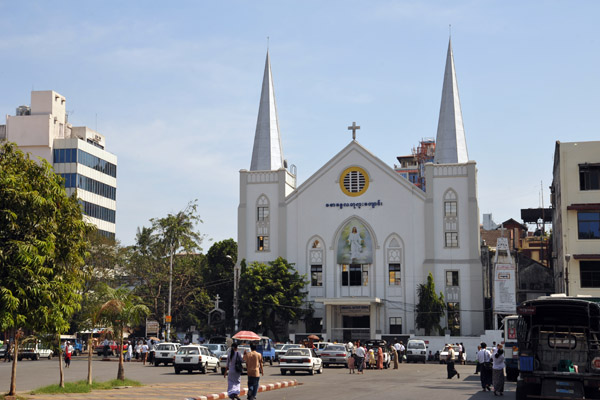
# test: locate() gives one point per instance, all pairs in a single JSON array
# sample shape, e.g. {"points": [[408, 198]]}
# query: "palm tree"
{"points": [[121, 310]]}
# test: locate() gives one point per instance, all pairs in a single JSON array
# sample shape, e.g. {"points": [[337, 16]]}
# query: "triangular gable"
{"points": [[354, 146]]}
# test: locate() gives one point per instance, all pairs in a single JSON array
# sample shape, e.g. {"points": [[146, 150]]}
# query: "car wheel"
{"points": [[216, 368], [177, 370], [270, 361], [36, 357], [283, 372], [311, 371], [203, 368], [156, 364], [320, 370]]}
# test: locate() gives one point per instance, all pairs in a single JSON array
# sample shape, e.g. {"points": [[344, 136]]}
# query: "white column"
{"points": [[329, 321], [373, 320]]}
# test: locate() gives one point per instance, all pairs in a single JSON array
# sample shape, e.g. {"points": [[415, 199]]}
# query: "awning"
{"points": [[585, 207]]}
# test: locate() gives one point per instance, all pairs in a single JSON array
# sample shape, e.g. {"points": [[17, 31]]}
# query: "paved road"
{"points": [[410, 381]]}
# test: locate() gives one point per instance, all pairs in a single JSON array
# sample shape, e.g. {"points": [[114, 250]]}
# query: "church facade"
{"points": [[365, 236]]}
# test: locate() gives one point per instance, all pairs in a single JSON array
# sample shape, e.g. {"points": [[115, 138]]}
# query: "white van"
{"points": [[416, 350]]}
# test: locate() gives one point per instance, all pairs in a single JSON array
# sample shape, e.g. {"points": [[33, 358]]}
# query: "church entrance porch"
{"points": [[353, 319]]}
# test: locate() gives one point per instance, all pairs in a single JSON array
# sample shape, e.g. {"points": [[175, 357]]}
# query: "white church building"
{"points": [[365, 236]]}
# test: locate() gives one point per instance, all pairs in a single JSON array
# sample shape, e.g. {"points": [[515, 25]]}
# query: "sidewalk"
{"points": [[167, 391]]}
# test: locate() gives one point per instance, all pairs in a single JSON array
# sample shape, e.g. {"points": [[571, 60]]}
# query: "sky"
{"points": [[175, 88]]}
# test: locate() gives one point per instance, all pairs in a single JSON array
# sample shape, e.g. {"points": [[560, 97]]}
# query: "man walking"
{"points": [[254, 365]]}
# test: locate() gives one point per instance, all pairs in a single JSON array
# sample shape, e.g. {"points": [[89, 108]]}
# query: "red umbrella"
{"points": [[246, 335]]}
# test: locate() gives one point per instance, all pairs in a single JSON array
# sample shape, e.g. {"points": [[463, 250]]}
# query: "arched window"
{"points": [[315, 257], [394, 259], [450, 219], [263, 224]]}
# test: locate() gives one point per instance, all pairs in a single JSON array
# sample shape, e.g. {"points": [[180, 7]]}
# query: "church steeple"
{"points": [[267, 154], [451, 144]]}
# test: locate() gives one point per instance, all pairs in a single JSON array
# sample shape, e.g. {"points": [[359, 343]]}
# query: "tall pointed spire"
{"points": [[267, 154], [451, 144]]}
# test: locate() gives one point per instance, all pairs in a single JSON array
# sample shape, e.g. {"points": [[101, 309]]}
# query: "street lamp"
{"points": [[568, 258], [236, 284], [168, 334]]}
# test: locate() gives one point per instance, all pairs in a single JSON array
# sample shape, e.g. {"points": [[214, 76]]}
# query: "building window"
{"points": [[262, 243], [262, 214], [454, 318], [451, 239], [395, 326], [98, 212], [394, 274], [451, 278], [355, 275], [589, 176], [589, 274], [588, 224], [354, 181], [450, 209], [316, 275]]}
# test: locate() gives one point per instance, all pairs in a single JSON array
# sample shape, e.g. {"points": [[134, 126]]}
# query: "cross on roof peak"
{"points": [[353, 128]]}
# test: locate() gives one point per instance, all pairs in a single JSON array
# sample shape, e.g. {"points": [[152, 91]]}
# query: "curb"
{"points": [[244, 391]]}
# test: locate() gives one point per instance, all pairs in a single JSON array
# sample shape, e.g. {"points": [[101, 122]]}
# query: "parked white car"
{"points": [[218, 349], [165, 353], [319, 346], [34, 351], [300, 360], [444, 355], [281, 351], [416, 350], [193, 357]]}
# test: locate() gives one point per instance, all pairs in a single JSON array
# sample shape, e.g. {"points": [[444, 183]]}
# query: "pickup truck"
{"points": [[559, 348], [34, 351]]}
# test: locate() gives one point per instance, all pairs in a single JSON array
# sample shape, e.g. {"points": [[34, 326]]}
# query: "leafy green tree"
{"points": [[123, 309], [175, 233], [271, 297], [165, 267], [42, 248], [217, 272], [430, 309]]}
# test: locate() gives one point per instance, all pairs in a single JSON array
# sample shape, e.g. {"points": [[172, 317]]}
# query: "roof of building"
{"points": [[267, 154], [451, 144]]}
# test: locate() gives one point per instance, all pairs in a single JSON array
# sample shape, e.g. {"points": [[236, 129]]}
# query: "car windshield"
{"points": [[212, 347], [188, 350], [279, 346], [334, 348], [165, 347], [416, 345], [298, 352], [290, 346], [445, 349]]}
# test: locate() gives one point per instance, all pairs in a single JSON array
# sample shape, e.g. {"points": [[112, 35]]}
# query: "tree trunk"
{"points": [[90, 353], [13, 378], [61, 382], [121, 372]]}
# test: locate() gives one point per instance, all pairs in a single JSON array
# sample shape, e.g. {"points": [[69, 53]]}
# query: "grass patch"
{"points": [[83, 387]]}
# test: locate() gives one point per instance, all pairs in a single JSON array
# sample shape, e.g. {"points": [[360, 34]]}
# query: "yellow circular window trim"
{"points": [[354, 181]]}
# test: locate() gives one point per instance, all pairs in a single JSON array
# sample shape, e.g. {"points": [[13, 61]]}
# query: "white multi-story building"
{"points": [[77, 153], [365, 236], [576, 218]]}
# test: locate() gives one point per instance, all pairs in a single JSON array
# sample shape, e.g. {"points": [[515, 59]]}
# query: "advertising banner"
{"points": [[505, 282]]}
